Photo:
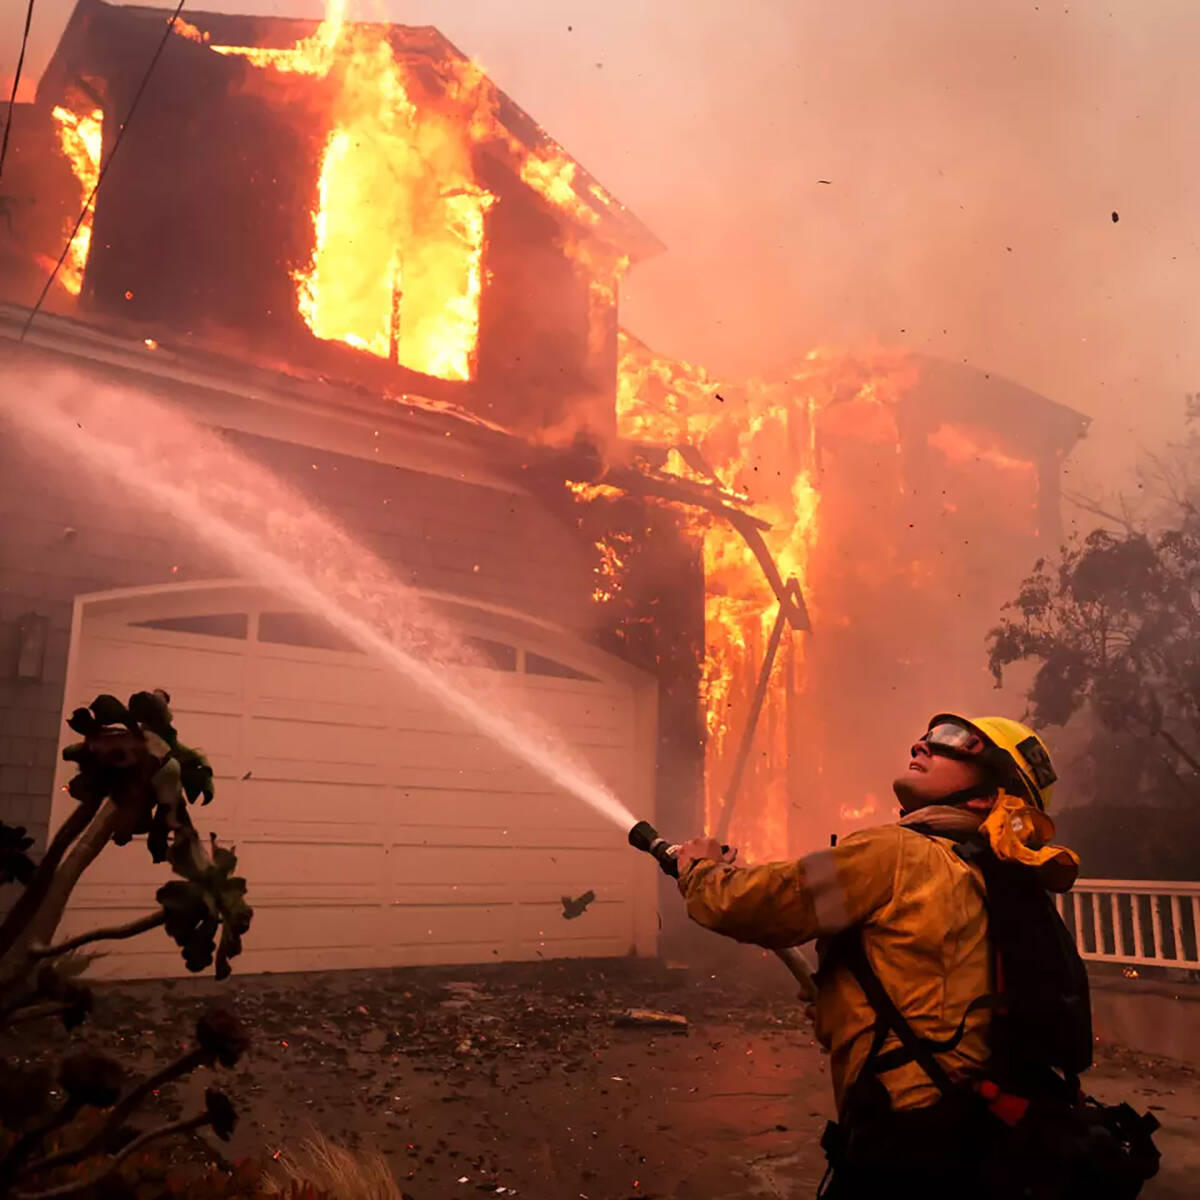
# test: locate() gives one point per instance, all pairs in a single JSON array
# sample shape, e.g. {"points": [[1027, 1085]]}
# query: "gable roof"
{"points": [[109, 25]]}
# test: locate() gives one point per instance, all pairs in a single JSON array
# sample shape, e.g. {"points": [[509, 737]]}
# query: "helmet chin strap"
{"points": [[981, 791]]}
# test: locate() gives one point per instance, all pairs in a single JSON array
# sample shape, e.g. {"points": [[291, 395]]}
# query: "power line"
{"points": [[87, 204], [12, 100]]}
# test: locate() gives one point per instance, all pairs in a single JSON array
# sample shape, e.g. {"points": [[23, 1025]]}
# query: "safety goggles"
{"points": [[952, 740]]}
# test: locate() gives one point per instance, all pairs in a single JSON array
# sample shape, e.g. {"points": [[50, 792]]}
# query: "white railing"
{"points": [[1142, 922]]}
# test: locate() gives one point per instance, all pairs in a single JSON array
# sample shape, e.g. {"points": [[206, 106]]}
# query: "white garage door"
{"points": [[374, 828]]}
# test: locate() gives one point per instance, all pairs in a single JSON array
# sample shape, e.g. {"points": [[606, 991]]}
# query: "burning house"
{"points": [[900, 498], [346, 250], [208, 276]]}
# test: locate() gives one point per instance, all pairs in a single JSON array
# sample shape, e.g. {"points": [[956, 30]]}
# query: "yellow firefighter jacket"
{"points": [[920, 909]]}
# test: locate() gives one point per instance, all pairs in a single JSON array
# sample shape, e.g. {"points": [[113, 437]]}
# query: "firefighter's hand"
{"points": [[702, 848]]}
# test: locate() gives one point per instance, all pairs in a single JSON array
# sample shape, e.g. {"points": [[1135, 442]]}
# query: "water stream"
{"points": [[269, 532]]}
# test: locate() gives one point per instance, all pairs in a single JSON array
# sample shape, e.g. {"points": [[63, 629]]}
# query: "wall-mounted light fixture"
{"points": [[29, 656]]}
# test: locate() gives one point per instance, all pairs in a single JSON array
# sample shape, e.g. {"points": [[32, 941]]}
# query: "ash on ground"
{"points": [[520, 1077]]}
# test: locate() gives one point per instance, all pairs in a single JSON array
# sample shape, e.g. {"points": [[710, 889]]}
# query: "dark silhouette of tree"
{"points": [[134, 777], [1113, 627]]}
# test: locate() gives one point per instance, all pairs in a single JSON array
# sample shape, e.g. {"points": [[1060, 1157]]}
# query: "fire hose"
{"points": [[643, 836]]}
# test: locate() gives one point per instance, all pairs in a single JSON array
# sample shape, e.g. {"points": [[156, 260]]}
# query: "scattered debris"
{"points": [[462, 995], [648, 1018], [578, 906]]}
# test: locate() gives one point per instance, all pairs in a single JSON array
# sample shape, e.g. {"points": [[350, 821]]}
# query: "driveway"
{"points": [[515, 1076]]}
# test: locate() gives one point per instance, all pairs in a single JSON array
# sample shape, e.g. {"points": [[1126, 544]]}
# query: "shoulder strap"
{"points": [[913, 1048], [889, 1017]]}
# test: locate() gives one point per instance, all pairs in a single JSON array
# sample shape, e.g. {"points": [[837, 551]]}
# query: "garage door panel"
{"points": [[571, 870], [541, 949], [449, 777], [218, 735], [482, 809], [449, 749], [358, 690], [444, 925], [137, 665], [272, 739], [518, 778], [361, 715], [268, 803], [569, 723], [609, 763], [535, 921], [315, 926], [373, 826], [289, 771], [583, 826], [451, 864], [542, 817], [596, 709], [407, 894], [310, 864], [115, 883], [432, 718], [320, 833], [469, 751]]}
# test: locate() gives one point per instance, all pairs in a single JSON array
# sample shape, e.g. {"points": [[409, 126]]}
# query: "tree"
{"points": [[134, 777], [1115, 627]]}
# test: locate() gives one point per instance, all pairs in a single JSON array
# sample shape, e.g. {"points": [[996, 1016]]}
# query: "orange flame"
{"points": [[610, 571], [740, 439], [868, 808], [594, 491], [758, 442], [399, 227], [185, 29], [963, 445], [80, 138]]}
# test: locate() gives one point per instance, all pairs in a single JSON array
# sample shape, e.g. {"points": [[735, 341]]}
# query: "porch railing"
{"points": [[1139, 922]]}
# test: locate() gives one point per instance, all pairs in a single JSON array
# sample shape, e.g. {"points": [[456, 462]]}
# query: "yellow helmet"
{"points": [[1017, 752]]}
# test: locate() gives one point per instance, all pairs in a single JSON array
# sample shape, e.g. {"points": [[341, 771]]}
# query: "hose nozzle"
{"points": [[643, 836]]}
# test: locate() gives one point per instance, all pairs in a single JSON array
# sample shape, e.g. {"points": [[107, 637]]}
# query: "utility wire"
{"points": [[87, 204], [12, 100]]}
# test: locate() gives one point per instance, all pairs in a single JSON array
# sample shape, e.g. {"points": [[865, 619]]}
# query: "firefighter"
{"points": [[899, 914]]}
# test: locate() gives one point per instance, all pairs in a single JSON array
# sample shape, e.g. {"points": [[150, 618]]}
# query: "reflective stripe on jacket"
{"points": [[924, 928]]}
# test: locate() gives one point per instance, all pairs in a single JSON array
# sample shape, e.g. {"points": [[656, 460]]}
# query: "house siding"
{"points": [[66, 535]]}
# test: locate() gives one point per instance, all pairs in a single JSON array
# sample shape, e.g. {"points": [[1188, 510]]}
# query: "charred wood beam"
{"points": [[716, 502], [583, 461], [747, 740]]}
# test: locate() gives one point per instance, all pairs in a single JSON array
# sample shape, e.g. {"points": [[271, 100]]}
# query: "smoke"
{"points": [[974, 156]]}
